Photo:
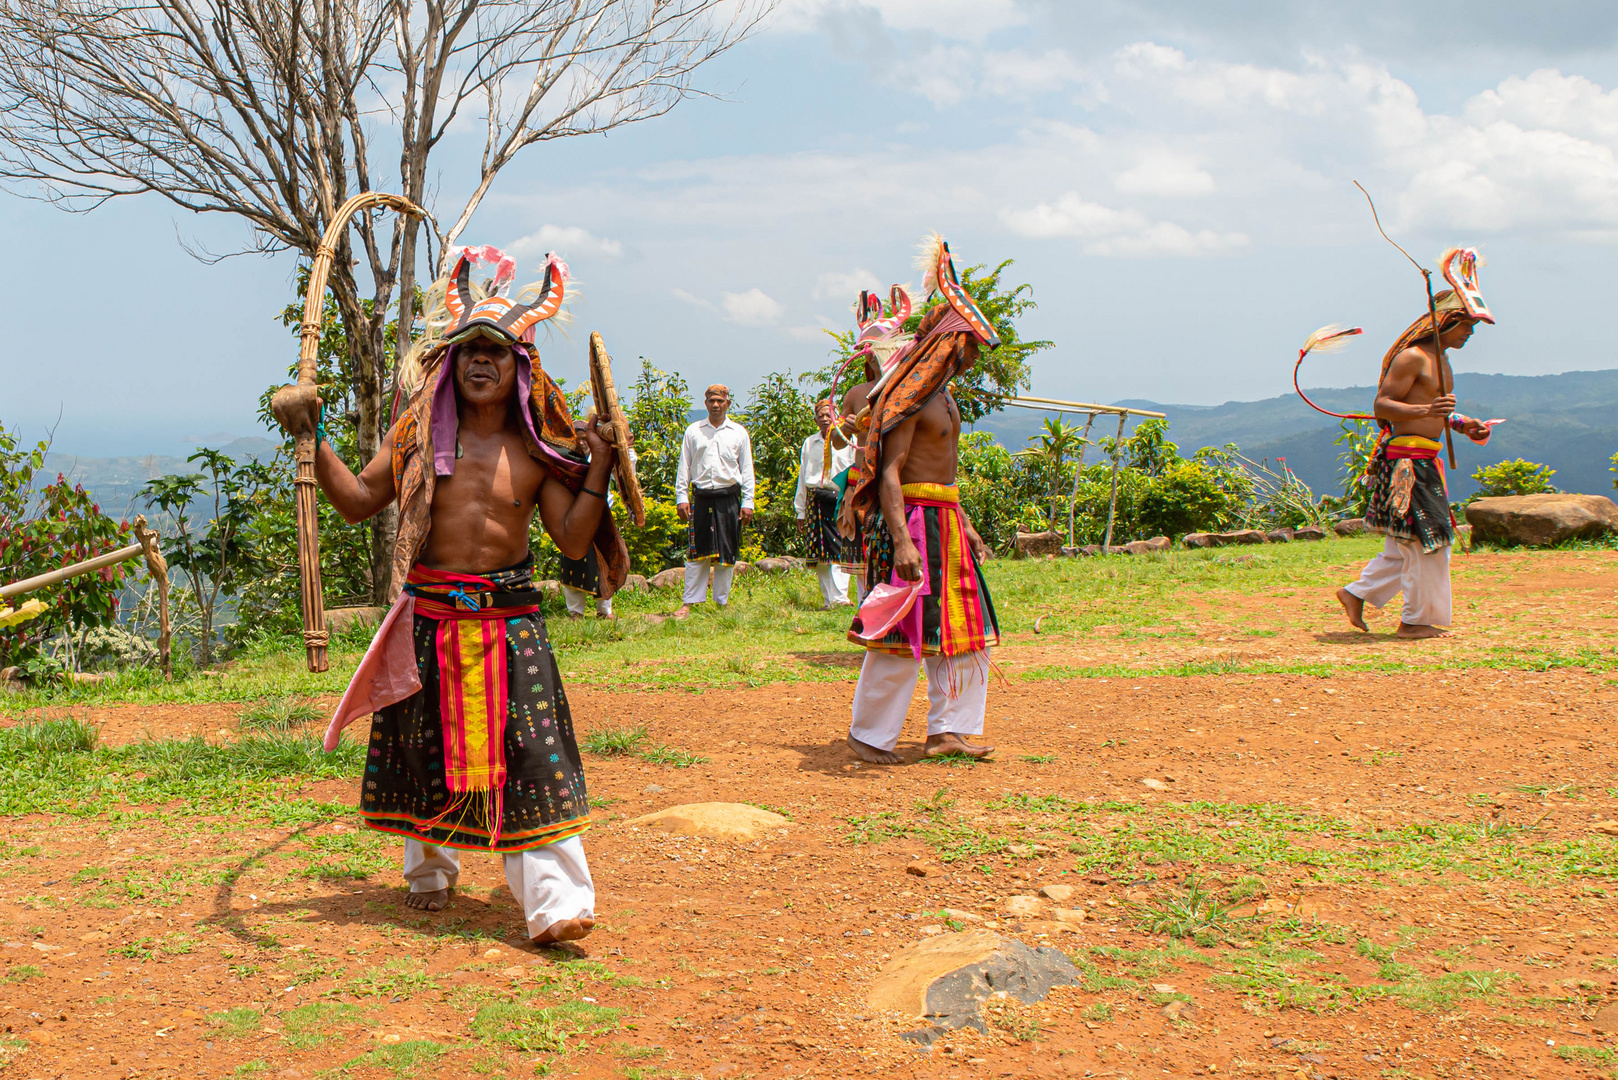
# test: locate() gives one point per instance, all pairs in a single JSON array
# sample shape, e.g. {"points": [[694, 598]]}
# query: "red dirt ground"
{"points": [[753, 958]]}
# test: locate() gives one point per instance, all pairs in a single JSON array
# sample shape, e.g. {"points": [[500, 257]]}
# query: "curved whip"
{"points": [[1326, 339]]}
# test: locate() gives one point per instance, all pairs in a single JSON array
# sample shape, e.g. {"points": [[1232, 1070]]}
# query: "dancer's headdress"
{"points": [[880, 333], [938, 275]]}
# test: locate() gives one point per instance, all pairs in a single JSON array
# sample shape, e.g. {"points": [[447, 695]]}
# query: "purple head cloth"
{"points": [[447, 419]]}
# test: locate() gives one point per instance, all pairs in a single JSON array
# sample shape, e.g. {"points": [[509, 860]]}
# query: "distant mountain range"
{"points": [[1567, 421], [115, 481]]}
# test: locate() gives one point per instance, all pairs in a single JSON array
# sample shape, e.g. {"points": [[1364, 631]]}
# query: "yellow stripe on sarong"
{"points": [[1416, 442]]}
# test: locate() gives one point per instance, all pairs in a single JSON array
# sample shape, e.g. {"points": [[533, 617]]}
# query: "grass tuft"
{"points": [[289, 712], [615, 741], [1194, 913]]}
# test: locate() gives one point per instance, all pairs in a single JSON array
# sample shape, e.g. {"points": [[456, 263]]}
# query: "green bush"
{"points": [[1517, 477]]}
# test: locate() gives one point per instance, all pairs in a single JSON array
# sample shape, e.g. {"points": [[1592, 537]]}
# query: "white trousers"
{"points": [[696, 580], [1423, 576], [888, 682], [833, 583], [550, 883], [578, 602]]}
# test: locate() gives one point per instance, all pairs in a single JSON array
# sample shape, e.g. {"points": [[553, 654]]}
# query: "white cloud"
{"points": [[812, 333], [845, 287], [1104, 231], [568, 241], [751, 308], [694, 301], [1165, 174], [962, 20]]}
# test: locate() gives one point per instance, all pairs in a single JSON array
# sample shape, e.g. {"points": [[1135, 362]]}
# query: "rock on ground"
{"points": [[1142, 547], [1309, 532], [343, 617], [1037, 545], [1279, 536], [945, 978], [672, 578], [1542, 520], [635, 583], [1351, 527], [718, 820]]}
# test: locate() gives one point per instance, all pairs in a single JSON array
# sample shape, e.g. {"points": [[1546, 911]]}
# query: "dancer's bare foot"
{"points": [[436, 900], [951, 743], [565, 930], [867, 752], [1355, 608], [1414, 631], [682, 611]]}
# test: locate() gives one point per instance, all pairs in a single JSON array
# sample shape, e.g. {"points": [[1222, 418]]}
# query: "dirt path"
{"points": [[753, 959]]}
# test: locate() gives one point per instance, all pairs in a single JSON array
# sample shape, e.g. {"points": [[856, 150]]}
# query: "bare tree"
{"points": [[274, 111]]}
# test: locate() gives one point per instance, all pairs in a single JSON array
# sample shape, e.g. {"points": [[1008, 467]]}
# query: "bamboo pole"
{"points": [[1112, 501], [315, 635], [1438, 359], [1043, 403], [1078, 474], [88, 566]]}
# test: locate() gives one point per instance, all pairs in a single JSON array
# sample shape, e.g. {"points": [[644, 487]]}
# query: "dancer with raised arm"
{"points": [[472, 744]]}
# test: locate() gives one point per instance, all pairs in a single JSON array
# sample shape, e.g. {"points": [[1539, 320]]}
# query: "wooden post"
{"points": [[158, 567], [1438, 359], [1112, 501], [89, 566], [1078, 473]]}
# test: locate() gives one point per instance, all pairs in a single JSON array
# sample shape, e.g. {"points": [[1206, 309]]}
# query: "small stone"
{"points": [[961, 916], [1606, 1020], [919, 869], [1179, 1010], [653, 789], [929, 931], [1162, 988], [1154, 784], [1068, 915], [1060, 893], [1607, 828], [492, 954], [1023, 907]]}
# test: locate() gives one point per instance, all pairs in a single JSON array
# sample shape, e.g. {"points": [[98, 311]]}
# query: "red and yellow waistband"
{"points": [[1418, 447], [444, 594], [942, 494]]}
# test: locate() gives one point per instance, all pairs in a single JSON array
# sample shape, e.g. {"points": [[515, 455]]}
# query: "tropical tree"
{"points": [[1049, 460]]}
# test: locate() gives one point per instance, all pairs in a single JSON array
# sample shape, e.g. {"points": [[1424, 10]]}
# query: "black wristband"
{"points": [[602, 495]]}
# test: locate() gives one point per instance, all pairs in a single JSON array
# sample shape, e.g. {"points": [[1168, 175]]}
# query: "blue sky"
{"points": [[1173, 179]]}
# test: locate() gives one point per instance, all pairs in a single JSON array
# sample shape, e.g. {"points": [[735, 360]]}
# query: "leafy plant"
{"points": [[614, 741], [1518, 477], [778, 418], [1193, 913], [1358, 440]]}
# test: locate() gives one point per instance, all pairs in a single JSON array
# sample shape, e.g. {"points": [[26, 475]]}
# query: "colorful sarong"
{"points": [[1409, 496], [484, 754], [716, 524], [826, 544], [581, 574], [955, 614]]}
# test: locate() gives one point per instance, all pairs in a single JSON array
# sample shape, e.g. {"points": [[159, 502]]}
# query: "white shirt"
{"points": [[811, 469], [715, 457]]}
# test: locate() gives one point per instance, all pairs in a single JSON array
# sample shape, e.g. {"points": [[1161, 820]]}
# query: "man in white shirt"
{"points": [[713, 489], [816, 505]]}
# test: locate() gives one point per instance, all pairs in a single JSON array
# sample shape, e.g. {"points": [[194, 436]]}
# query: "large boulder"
{"points": [[944, 979], [1279, 536], [1143, 547], [548, 587], [1082, 551], [635, 583], [672, 578], [1542, 520], [1309, 532], [717, 820], [1038, 545], [1351, 527], [1198, 540], [1240, 536], [779, 564], [341, 618]]}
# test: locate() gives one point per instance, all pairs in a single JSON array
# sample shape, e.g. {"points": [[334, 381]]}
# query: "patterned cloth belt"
{"points": [[1414, 447], [931, 494]]}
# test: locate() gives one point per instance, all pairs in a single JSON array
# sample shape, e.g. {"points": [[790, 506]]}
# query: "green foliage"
{"points": [[778, 418], [43, 530], [614, 741], [1358, 440], [659, 412], [1048, 460], [216, 555], [1614, 468], [997, 490], [282, 713], [543, 1030], [1517, 477], [1280, 498], [660, 544]]}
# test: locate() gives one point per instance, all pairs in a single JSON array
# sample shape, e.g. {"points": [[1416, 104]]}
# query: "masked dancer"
{"points": [[472, 744], [927, 604]]}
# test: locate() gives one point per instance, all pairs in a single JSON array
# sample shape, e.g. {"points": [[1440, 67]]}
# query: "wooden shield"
{"points": [[605, 393]]}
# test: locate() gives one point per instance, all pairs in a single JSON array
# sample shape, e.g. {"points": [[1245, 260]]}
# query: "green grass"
{"points": [[1193, 912], [671, 756], [402, 1059], [535, 1029], [773, 631], [309, 1026], [57, 766], [22, 973], [234, 1023], [614, 740], [280, 714], [396, 979]]}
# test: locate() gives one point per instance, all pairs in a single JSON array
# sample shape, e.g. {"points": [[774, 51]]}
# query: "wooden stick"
{"points": [[1028, 402], [315, 635], [1112, 502], [158, 567], [1078, 473], [88, 566]]}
